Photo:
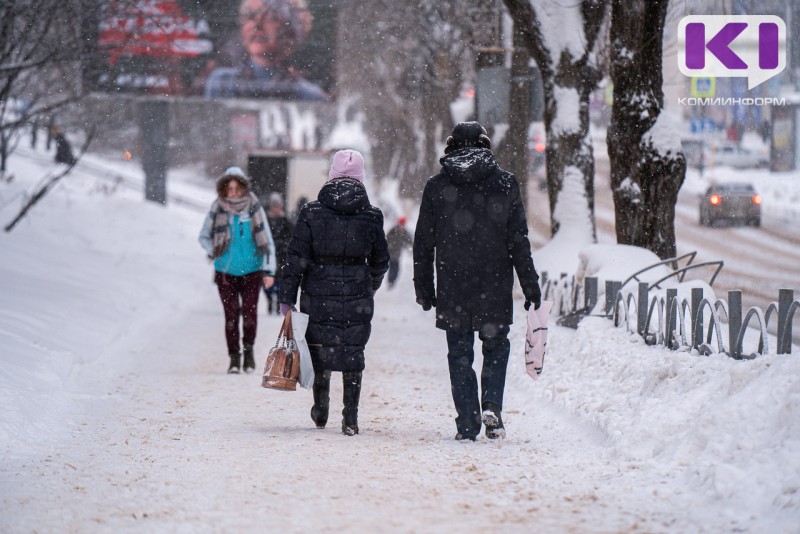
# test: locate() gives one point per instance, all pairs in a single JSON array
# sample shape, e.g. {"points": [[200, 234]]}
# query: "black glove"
{"points": [[535, 298], [426, 304]]}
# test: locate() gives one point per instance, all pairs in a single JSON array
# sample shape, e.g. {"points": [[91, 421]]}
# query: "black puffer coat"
{"points": [[337, 256], [282, 231], [472, 223]]}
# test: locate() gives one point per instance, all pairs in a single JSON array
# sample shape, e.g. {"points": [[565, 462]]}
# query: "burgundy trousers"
{"points": [[239, 295]]}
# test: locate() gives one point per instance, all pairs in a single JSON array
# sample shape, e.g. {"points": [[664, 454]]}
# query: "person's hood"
{"points": [[469, 164], [233, 173], [344, 195]]}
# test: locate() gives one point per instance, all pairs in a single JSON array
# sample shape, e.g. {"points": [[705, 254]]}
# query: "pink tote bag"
{"points": [[536, 339]]}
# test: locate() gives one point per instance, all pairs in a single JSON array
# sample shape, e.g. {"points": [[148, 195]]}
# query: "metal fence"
{"points": [[679, 323]]}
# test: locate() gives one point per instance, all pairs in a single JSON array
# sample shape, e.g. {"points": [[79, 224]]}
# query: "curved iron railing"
{"points": [[694, 323]]}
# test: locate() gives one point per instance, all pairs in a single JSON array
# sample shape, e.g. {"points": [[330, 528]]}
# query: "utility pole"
{"points": [[489, 61], [504, 95], [154, 132]]}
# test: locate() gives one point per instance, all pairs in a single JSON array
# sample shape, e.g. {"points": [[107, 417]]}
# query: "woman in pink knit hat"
{"points": [[337, 256]]}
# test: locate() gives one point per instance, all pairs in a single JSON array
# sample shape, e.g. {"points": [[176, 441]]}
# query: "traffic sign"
{"points": [[704, 87]]}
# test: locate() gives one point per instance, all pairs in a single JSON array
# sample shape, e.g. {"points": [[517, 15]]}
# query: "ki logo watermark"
{"points": [[728, 46]]}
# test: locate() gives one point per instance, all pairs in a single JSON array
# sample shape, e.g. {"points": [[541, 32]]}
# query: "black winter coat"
{"points": [[63, 150], [282, 231], [338, 256], [472, 224], [398, 239]]}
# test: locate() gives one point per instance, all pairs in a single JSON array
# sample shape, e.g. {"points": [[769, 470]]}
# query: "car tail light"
{"points": [[539, 147], [715, 199], [757, 199]]}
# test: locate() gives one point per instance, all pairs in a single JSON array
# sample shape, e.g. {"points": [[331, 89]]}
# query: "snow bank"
{"points": [[730, 428], [91, 265], [560, 254]]}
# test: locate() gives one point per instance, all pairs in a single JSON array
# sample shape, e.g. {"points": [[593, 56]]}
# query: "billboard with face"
{"points": [[261, 49]]}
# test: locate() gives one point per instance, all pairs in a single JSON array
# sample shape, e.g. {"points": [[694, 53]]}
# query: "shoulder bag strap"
{"points": [[287, 324], [285, 332]]}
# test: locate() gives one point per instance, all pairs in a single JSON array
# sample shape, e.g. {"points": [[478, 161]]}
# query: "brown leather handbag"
{"points": [[283, 361]]}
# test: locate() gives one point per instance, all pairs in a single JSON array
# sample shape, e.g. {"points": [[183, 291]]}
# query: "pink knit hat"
{"points": [[347, 163]]}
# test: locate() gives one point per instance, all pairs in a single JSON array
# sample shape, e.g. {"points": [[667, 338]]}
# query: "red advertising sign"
{"points": [[219, 49], [153, 28]]}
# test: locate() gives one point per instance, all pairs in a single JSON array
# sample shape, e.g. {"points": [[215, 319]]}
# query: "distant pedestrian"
{"points": [[766, 131], [34, 132], [302, 201], [338, 257], [735, 132], [472, 228], [236, 236], [50, 128], [63, 148], [282, 231], [398, 239]]}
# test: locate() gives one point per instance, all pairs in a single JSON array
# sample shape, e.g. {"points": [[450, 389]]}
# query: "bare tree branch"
{"points": [[48, 185]]}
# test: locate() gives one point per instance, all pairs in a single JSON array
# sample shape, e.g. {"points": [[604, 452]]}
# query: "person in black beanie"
{"points": [[472, 223]]}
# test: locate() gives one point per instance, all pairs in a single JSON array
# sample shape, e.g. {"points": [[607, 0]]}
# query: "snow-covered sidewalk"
{"points": [[166, 441], [118, 415]]}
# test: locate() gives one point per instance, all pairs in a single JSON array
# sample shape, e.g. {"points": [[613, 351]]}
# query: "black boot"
{"points": [[249, 359], [234, 367], [351, 381], [322, 398], [493, 421]]}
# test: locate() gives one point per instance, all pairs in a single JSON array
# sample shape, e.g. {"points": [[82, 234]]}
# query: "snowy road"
{"points": [[758, 261]]}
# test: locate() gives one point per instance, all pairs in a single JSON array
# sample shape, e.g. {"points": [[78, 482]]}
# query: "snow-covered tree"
{"points": [[647, 166], [513, 151], [40, 73], [562, 38], [404, 63]]}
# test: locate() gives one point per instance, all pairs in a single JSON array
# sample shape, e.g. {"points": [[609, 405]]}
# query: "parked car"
{"points": [[737, 157], [732, 202]]}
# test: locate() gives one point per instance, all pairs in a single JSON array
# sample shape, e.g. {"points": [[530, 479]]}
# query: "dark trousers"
{"points": [[394, 271], [463, 381], [273, 306], [239, 295]]}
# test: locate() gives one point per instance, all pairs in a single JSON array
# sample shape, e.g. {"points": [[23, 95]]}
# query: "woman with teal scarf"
{"points": [[236, 236]]}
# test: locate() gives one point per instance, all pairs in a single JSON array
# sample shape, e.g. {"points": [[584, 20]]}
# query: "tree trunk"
{"points": [[3, 155], [568, 82], [647, 168], [569, 150], [514, 149]]}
